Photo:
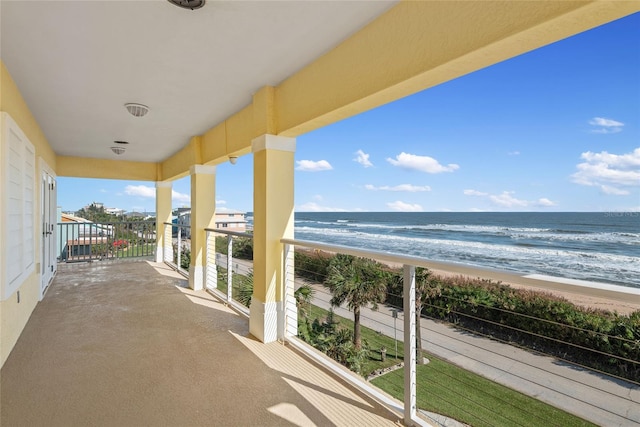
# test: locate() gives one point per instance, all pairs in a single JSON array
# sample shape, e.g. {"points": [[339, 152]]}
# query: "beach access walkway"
{"points": [[594, 397]]}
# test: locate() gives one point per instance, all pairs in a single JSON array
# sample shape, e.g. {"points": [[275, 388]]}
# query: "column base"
{"points": [[159, 255], [263, 320], [196, 277], [287, 319]]}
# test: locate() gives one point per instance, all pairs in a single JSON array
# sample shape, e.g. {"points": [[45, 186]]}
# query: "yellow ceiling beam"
{"points": [[177, 166], [85, 167]]}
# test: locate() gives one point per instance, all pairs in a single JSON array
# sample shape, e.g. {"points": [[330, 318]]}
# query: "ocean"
{"points": [[599, 247]]}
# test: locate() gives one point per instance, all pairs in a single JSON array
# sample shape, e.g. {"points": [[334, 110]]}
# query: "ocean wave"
{"points": [[515, 233], [524, 258]]}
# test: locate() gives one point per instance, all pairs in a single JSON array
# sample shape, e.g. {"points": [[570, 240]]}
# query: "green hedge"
{"points": [[242, 247], [540, 321]]}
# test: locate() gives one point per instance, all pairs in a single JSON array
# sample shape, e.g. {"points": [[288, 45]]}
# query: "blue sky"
{"points": [[557, 129]]}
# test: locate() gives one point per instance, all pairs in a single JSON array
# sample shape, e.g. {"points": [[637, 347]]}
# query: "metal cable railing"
{"points": [[228, 266]]}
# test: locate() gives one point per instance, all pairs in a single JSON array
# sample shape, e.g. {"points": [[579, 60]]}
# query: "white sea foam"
{"points": [[578, 264]]}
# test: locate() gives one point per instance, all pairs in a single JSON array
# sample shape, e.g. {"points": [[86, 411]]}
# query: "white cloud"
{"points": [[402, 187], [474, 193], [607, 189], [606, 125], [150, 192], [140, 191], [506, 199], [363, 159], [601, 121], [314, 207], [102, 190], [513, 153], [404, 207], [545, 202], [312, 166], [180, 197], [609, 171], [318, 197], [421, 163], [221, 202]]}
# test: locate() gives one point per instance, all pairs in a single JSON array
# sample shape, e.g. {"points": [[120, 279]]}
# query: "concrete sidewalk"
{"points": [[600, 399]]}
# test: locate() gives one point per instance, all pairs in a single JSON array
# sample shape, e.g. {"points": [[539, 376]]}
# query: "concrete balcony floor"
{"points": [[126, 344]]}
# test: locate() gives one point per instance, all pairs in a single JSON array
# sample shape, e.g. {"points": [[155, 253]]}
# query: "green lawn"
{"points": [[446, 389], [147, 249]]}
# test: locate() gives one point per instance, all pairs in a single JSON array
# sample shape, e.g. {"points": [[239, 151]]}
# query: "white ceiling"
{"points": [[78, 62]]}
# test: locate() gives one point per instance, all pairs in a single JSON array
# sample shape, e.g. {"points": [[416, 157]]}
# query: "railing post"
{"points": [[409, 306], [168, 243], [229, 267], [179, 248], [211, 269], [164, 244], [288, 322]]}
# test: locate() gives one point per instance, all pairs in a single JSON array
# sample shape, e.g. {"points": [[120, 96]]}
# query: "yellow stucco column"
{"points": [[163, 214], [273, 165], [203, 215]]}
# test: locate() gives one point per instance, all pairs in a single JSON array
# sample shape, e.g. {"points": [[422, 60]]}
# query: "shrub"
{"points": [[312, 265]]}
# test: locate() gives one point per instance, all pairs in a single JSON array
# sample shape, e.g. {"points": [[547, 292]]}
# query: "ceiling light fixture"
{"points": [[121, 142], [118, 150], [188, 4], [137, 110], [233, 159]]}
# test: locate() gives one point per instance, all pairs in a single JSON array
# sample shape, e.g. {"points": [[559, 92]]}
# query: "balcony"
{"points": [[126, 343]]}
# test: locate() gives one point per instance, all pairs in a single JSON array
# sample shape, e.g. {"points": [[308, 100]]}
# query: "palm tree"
{"points": [[303, 295], [357, 282]]}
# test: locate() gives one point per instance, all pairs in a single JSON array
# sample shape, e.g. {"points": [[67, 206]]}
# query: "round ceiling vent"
{"points": [[188, 4], [137, 110]]}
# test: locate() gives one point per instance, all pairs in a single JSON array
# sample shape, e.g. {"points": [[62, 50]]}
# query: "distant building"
{"points": [[78, 235], [114, 211], [229, 221], [138, 216], [235, 221]]}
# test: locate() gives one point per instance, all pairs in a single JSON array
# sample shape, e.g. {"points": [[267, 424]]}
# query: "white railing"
{"points": [[221, 267], [177, 247], [409, 309]]}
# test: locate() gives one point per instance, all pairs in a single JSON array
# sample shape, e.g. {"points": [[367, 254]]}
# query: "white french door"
{"points": [[49, 227]]}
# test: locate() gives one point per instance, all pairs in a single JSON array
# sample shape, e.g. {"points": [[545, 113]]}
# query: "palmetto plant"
{"points": [[357, 282], [245, 289]]}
